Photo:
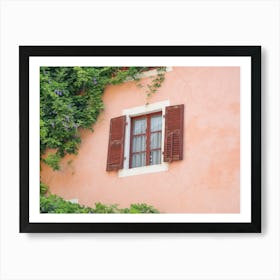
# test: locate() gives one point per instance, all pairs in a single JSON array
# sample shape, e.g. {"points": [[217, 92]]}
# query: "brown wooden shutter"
{"points": [[116, 144], [174, 128]]}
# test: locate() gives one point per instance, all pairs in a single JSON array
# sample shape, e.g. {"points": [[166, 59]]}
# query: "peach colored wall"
{"points": [[205, 181]]}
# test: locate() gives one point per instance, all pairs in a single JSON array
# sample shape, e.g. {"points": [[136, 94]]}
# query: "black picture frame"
{"points": [[254, 52]]}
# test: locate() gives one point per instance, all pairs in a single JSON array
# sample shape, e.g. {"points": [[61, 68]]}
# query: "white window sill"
{"points": [[143, 170]]}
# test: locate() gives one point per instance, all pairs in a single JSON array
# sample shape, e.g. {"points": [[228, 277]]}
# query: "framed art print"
{"points": [[140, 138]]}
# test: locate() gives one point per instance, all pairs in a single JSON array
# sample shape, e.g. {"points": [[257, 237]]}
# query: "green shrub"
{"points": [[133, 209], [102, 208], [43, 189], [140, 208], [55, 204]]}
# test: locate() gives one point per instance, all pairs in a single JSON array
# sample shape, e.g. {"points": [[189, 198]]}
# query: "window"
{"points": [[146, 139]]}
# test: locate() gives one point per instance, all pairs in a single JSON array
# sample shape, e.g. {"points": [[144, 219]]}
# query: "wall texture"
{"points": [[205, 181]]}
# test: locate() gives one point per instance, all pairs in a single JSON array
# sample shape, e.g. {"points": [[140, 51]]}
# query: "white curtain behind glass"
{"points": [[155, 141], [139, 141]]}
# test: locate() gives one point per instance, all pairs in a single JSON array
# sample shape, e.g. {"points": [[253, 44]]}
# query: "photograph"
{"points": [[140, 139]]}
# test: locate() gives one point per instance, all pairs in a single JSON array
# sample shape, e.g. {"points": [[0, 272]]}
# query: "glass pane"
{"points": [[155, 140], [156, 123], [139, 143], [155, 157], [139, 160], [139, 126]]}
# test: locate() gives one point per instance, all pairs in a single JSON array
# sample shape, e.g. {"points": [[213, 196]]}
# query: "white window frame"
{"points": [[134, 112]]}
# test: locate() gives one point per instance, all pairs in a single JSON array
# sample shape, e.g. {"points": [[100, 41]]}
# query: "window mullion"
{"points": [[130, 146], [148, 136]]}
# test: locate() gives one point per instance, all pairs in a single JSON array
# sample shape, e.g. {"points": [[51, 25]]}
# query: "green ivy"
{"points": [[53, 161], [71, 99], [156, 83]]}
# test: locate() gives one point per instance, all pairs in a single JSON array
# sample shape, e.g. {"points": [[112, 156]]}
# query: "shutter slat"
{"points": [[116, 144], [174, 130]]}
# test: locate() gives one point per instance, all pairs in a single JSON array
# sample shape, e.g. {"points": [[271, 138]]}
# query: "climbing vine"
{"points": [[71, 99]]}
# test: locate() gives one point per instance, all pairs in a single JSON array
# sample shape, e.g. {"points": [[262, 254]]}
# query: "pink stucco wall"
{"points": [[205, 181]]}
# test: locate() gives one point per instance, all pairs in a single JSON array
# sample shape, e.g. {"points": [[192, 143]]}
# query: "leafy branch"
{"points": [[71, 99]]}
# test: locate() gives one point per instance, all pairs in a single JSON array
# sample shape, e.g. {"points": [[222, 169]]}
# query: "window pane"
{"points": [[139, 160], [156, 123], [155, 157], [139, 143], [156, 140], [139, 126]]}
